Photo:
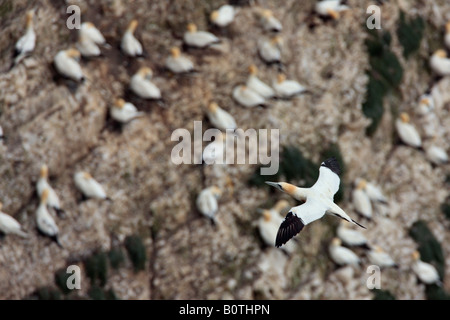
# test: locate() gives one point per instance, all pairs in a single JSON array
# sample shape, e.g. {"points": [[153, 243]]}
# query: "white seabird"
{"points": [[373, 191], [88, 186], [178, 63], [89, 30], [45, 223], [9, 225], [330, 8], [87, 47], [247, 97], [255, 84], [425, 271], [382, 259], [319, 200], [206, 202], [52, 198], [219, 118], [439, 63], [361, 200], [270, 49], [407, 132], [26, 44], [129, 44], [342, 255], [199, 39], [66, 64], [285, 89], [223, 16], [425, 105], [351, 237], [269, 22], [124, 112], [142, 86], [436, 154]]}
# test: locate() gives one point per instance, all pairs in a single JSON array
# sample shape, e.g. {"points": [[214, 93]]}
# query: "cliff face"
{"points": [[50, 120]]}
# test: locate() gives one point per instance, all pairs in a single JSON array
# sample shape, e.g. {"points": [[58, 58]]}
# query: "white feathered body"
{"points": [[9, 225], [200, 39], [68, 66], [144, 88], [255, 84], [408, 133], [89, 186], [247, 97], [125, 114]]}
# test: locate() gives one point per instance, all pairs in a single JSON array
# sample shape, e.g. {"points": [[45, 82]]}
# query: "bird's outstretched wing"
{"points": [[328, 181], [290, 226]]}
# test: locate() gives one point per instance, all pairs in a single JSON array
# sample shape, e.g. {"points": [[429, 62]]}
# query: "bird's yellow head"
{"points": [[404, 117], [29, 15], [447, 27], [281, 78], [277, 40], [145, 72], [175, 52], [214, 15], [44, 195], [266, 215], [1, 206], [87, 175], [212, 107], [336, 242], [191, 27], [252, 69], [44, 171], [119, 103], [362, 183], [266, 13], [73, 53], [441, 53], [415, 255], [283, 186], [425, 101], [378, 249], [132, 26], [333, 14], [89, 25], [216, 191]]}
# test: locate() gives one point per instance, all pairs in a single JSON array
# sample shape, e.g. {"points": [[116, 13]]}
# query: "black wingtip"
{"points": [[332, 164], [290, 227], [359, 224]]}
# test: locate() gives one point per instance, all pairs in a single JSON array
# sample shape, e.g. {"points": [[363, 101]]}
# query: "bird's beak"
{"points": [[273, 184]]}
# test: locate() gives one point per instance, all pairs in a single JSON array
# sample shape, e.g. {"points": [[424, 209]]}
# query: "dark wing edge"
{"points": [[332, 164], [290, 226]]}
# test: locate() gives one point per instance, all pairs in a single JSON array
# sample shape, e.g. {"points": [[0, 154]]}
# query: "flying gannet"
{"points": [[207, 204], [319, 200], [200, 39], [89, 186], [25, 45], [223, 16], [66, 64], [407, 132], [286, 89], [255, 84], [330, 8], [269, 22], [142, 86], [342, 255], [129, 44], [9, 225], [178, 63], [45, 223], [247, 97], [52, 198], [124, 112], [425, 271], [219, 118], [439, 63]]}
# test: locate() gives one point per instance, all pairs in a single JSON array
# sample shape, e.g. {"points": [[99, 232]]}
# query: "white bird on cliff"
{"points": [[66, 64], [342, 255], [319, 200], [124, 112], [88, 30], [373, 191], [43, 184], [425, 271], [87, 47], [351, 237], [178, 63], [407, 131], [9, 225], [439, 63], [219, 118], [45, 223], [425, 105], [247, 97], [255, 84], [223, 16], [270, 49], [436, 154], [382, 259], [88, 186], [207, 204], [286, 89], [199, 39], [330, 8], [269, 22], [361, 200], [129, 44], [26, 44], [142, 86]]}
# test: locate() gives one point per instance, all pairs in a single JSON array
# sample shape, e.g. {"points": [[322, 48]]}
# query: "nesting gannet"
{"points": [[373, 191], [269, 22], [254, 83], [52, 198], [407, 132], [319, 200], [89, 186], [447, 35], [219, 118], [436, 154], [286, 88], [27, 42], [330, 8], [425, 271], [361, 200], [439, 63], [124, 112], [351, 237], [247, 97], [141, 85], [342, 255], [199, 39], [206, 202], [89, 30], [178, 63], [379, 257], [270, 49], [67, 65], [214, 152], [45, 223], [425, 105], [9, 225], [223, 16], [130, 45], [87, 47]]}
